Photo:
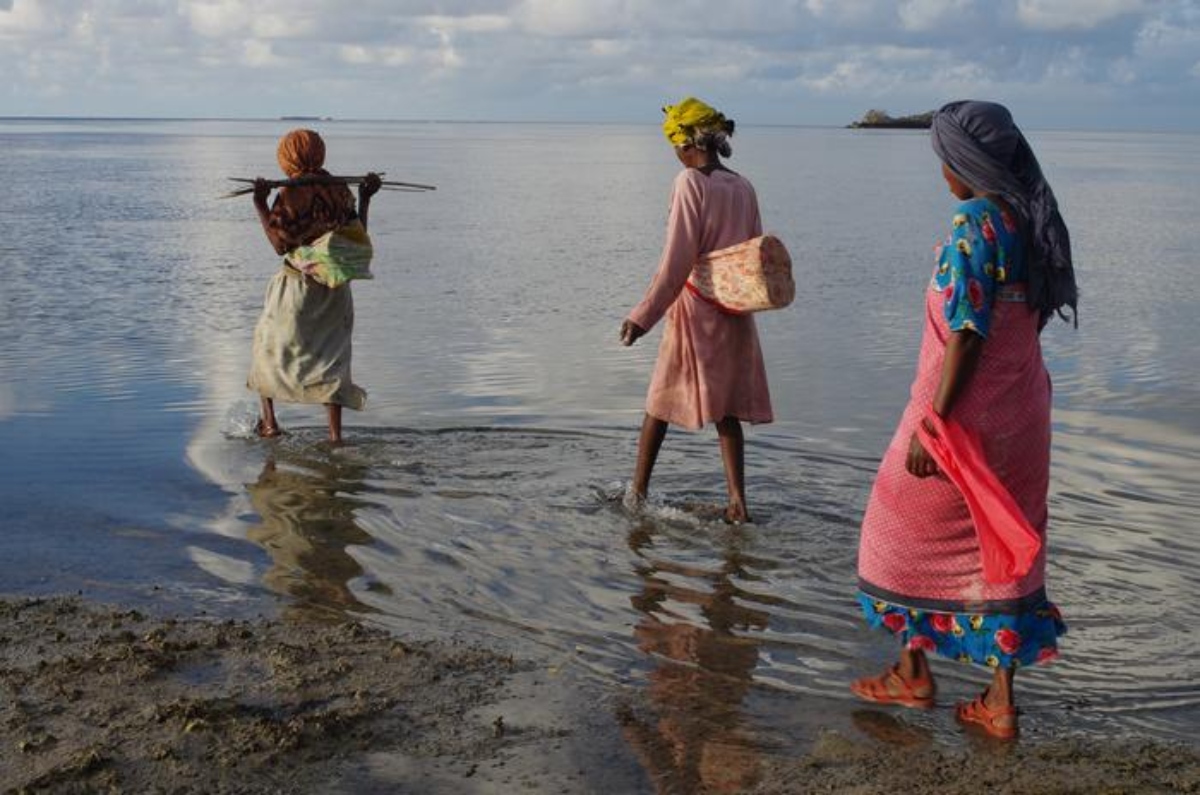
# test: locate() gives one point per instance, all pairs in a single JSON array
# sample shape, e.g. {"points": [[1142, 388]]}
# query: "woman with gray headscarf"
{"points": [[926, 571]]}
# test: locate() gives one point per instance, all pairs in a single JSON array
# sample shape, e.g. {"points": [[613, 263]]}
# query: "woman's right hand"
{"points": [[262, 190], [919, 462], [630, 332]]}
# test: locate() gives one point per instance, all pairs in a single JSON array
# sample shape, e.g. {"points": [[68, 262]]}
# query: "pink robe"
{"points": [[709, 363], [918, 546]]}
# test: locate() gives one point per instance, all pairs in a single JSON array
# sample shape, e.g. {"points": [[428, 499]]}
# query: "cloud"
{"points": [[932, 14], [785, 60], [1074, 14]]}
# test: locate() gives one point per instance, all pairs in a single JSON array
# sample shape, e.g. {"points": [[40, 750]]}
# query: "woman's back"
{"points": [[728, 206]]}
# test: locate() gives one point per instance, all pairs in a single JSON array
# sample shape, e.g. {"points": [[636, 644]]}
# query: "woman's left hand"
{"points": [[919, 462], [369, 186]]}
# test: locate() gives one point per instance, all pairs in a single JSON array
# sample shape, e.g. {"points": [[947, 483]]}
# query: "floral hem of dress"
{"points": [[994, 640]]}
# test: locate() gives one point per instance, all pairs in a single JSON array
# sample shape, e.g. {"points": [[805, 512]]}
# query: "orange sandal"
{"points": [[990, 720], [892, 688]]}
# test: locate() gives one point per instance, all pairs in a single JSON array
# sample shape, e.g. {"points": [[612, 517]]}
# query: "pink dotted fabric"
{"points": [[917, 536], [710, 365]]}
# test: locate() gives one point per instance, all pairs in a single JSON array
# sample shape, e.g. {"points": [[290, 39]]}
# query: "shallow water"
{"points": [[480, 492]]}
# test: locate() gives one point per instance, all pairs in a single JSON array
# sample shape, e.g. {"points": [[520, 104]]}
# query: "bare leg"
{"points": [[650, 442], [733, 455], [267, 426], [1000, 693], [913, 665], [334, 411]]}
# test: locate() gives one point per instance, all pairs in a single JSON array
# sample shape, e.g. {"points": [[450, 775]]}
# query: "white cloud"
{"points": [[1170, 36], [932, 14], [1074, 14], [24, 18], [849, 12], [259, 53], [595, 19], [216, 18], [473, 23], [473, 58]]}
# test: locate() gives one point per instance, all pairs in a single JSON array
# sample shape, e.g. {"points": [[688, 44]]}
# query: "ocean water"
{"points": [[479, 492]]}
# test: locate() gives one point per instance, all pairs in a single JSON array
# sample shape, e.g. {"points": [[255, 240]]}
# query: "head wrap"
{"points": [[304, 213], [693, 122], [982, 145], [300, 152]]}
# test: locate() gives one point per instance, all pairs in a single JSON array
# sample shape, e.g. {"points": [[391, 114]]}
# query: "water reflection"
{"points": [[308, 523], [696, 739]]}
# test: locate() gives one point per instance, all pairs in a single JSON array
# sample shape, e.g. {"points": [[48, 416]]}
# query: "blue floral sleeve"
{"points": [[967, 269]]}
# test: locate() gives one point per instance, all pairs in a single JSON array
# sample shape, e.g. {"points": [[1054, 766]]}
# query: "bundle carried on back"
{"points": [[336, 257], [749, 277]]}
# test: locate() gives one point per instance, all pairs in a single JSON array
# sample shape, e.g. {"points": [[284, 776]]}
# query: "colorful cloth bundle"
{"points": [[336, 257], [750, 277]]}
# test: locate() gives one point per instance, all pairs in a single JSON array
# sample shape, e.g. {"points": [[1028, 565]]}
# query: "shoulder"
{"points": [[689, 186], [969, 216], [690, 180], [976, 208]]}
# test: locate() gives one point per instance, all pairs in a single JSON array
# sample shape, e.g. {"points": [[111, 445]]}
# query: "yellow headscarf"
{"points": [[688, 118], [300, 152]]}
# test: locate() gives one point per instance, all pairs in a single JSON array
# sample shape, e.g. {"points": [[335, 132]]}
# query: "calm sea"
{"points": [[478, 493]]}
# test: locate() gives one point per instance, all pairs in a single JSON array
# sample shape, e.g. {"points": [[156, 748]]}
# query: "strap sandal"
{"points": [[998, 722], [892, 688]]}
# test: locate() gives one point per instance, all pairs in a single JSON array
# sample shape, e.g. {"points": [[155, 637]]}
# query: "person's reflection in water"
{"points": [[307, 523], [696, 741]]}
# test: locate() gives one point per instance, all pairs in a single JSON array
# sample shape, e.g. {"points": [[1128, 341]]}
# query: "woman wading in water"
{"points": [[302, 343], [925, 573], [710, 367]]}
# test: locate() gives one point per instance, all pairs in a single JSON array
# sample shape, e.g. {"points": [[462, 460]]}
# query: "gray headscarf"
{"points": [[981, 144]]}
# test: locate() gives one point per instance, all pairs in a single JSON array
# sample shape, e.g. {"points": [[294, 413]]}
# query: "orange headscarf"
{"points": [[306, 212], [300, 152]]}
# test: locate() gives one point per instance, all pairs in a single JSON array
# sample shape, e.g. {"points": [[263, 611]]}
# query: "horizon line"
{"points": [[563, 122]]}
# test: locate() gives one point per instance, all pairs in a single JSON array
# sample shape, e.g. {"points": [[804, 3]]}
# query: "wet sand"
{"points": [[95, 698]]}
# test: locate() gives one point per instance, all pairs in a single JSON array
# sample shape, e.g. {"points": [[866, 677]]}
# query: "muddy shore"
{"points": [[101, 699]]}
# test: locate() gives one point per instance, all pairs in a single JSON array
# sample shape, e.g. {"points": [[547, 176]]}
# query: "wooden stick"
{"points": [[329, 179], [248, 191]]}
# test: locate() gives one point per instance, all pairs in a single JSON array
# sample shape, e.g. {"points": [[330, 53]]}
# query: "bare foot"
{"points": [[633, 501], [736, 513], [265, 431]]}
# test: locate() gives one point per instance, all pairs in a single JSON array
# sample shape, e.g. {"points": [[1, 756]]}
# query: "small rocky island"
{"points": [[881, 120]]}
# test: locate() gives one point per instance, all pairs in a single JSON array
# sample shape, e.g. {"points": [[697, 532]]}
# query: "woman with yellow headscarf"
{"points": [[710, 366], [302, 343]]}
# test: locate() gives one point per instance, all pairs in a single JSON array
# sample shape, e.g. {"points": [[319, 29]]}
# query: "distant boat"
{"points": [[306, 118], [881, 120]]}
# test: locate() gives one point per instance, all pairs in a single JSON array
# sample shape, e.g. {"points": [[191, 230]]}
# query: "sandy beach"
{"points": [[102, 699]]}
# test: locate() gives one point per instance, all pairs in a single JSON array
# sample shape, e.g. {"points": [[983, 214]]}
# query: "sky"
{"points": [[1058, 64]]}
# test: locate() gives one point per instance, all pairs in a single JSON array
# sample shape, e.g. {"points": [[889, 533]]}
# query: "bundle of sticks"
{"points": [[324, 179]]}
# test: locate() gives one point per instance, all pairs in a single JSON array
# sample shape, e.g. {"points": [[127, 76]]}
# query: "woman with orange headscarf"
{"points": [[302, 343]]}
